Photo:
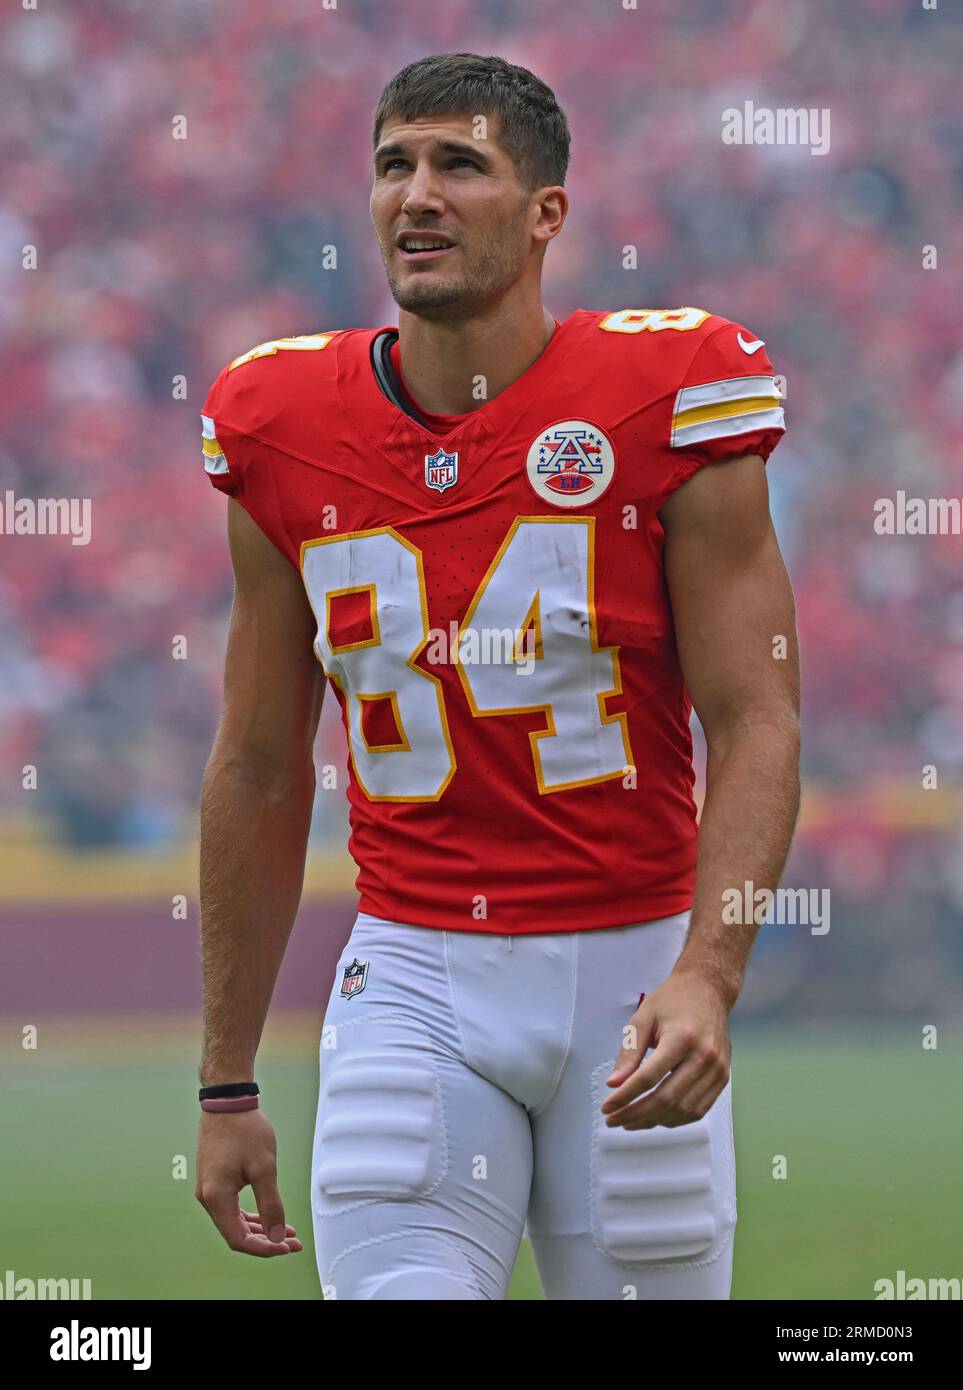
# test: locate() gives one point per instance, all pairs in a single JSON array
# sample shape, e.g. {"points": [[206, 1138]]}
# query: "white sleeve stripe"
{"points": [[215, 465], [207, 427], [733, 389], [727, 426]]}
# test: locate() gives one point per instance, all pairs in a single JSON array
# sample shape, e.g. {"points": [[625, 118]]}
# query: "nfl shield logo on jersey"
{"points": [[355, 978], [441, 470], [571, 463]]}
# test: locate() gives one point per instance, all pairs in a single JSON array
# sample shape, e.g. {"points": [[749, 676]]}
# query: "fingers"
{"points": [[703, 1096], [670, 1052], [258, 1245], [636, 1039], [221, 1205], [241, 1232], [290, 1234], [254, 1221], [269, 1205], [683, 1097], [686, 1111]]}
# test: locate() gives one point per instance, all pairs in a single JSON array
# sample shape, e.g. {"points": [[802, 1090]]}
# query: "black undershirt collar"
{"points": [[387, 378]]}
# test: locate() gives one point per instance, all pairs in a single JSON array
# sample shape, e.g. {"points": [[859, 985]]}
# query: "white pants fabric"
{"points": [[459, 1099]]}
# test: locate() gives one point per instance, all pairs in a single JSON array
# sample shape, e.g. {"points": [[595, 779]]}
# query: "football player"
{"points": [[520, 550]]}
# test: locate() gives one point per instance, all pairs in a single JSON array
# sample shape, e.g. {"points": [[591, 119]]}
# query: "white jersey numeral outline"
{"points": [[390, 569], [539, 579], [573, 675]]}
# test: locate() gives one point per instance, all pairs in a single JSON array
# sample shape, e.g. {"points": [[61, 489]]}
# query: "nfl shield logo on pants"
{"points": [[441, 470], [355, 978]]}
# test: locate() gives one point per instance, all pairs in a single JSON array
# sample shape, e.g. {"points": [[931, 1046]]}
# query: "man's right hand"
{"points": [[234, 1150]]}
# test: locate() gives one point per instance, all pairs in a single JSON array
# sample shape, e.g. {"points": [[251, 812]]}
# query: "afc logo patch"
{"points": [[571, 463], [441, 470], [354, 978]]}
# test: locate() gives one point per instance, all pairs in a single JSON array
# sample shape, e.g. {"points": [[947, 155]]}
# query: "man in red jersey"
{"points": [[500, 538]]}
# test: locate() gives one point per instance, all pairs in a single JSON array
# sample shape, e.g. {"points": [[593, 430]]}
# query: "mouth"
{"points": [[422, 246]]}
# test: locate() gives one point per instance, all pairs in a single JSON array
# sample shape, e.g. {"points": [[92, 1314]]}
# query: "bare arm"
{"points": [[732, 603], [256, 805]]}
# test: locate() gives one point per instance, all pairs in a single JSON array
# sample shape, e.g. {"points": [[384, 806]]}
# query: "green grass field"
{"points": [[870, 1128]]}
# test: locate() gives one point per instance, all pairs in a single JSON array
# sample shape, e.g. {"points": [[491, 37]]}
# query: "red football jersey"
{"points": [[492, 607]]}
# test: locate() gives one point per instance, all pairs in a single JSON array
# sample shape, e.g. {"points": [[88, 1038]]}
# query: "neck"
{"points": [[442, 361]]}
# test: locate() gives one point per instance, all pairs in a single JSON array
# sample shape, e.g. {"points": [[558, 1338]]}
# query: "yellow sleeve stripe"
{"points": [[720, 410], [723, 409], [211, 448], [728, 427]]}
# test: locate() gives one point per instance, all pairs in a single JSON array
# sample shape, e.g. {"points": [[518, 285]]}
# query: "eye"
{"points": [[463, 159], [389, 162]]}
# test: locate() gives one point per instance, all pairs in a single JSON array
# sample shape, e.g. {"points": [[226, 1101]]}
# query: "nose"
{"points": [[423, 193]]}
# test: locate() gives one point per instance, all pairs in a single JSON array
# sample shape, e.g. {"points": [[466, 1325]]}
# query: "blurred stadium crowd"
{"points": [[161, 258]]}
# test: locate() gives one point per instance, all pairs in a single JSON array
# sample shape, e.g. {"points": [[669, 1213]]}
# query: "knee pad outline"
{"points": [[687, 1146], [433, 1120]]}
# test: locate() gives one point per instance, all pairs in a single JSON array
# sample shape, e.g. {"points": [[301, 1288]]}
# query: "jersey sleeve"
{"points": [[214, 435], [238, 423], [728, 404]]}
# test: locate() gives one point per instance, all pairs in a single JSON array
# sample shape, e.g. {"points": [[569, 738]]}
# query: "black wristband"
{"points": [[230, 1091]]}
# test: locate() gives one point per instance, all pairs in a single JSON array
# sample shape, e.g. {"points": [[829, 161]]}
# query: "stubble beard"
{"points": [[495, 269]]}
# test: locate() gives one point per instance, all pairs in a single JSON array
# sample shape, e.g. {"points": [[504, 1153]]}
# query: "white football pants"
{"points": [[460, 1094]]}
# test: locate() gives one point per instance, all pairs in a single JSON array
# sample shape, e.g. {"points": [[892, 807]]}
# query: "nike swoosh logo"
{"points": [[750, 347]]}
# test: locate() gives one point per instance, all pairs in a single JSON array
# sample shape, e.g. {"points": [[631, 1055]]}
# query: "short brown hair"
{"points": [[531, 124]]}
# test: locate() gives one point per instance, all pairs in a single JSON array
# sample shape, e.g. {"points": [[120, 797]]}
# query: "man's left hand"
{"points": [[685, 1021]]}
